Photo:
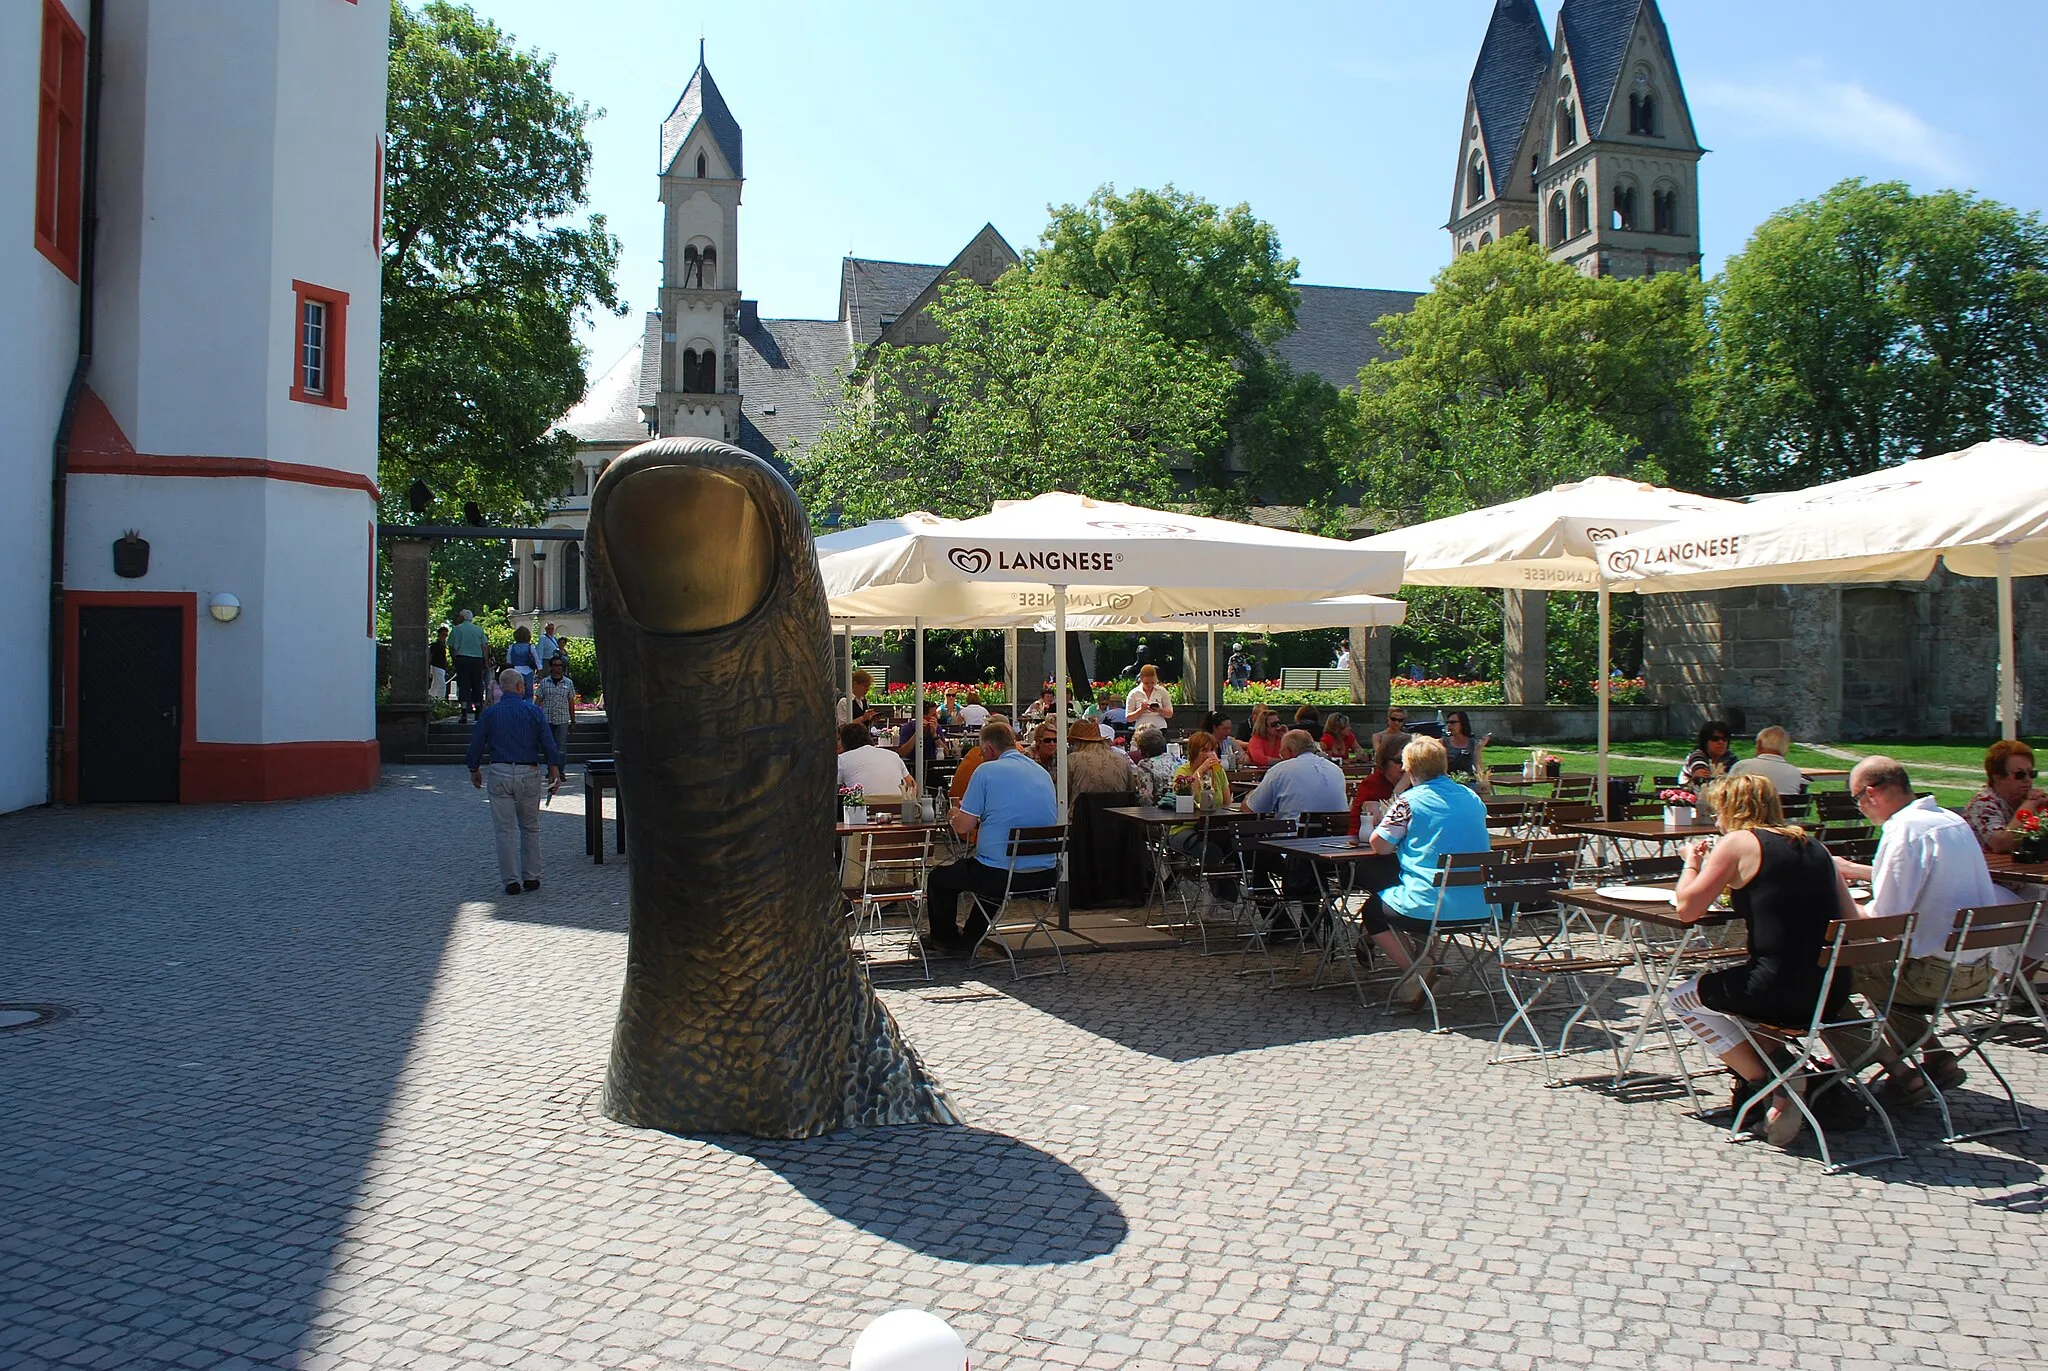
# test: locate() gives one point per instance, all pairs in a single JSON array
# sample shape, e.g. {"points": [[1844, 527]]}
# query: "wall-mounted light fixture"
{"points": [[224, 607]]}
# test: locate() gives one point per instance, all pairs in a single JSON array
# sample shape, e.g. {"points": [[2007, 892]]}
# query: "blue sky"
{"points": [[895, 130]]}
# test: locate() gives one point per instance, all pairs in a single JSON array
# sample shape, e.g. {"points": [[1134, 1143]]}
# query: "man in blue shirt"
{"points": [[1006, 792], [518, 738], [1303, 781]]}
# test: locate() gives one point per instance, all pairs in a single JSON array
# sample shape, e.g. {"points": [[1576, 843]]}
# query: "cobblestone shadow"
{"points": [[957, 1194]]}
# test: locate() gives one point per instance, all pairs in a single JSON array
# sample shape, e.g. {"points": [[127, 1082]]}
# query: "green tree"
{"points": [[1873, 325], [1215, 279], [485, 269], [1032, 388], [1516, 372]]}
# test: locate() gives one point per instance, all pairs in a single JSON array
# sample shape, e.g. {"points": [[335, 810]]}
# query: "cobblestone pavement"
{"points": [[325, 1099]]}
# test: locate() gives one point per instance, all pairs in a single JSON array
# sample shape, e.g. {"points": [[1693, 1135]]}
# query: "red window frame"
{"points": [[60, 139], [334, 345]]}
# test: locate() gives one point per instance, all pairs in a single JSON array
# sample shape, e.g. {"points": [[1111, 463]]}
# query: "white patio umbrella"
{"points": [[1548, 541], [1060, 551], [1983, 511]]}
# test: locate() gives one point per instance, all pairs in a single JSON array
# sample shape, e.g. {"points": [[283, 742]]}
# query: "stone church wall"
{"points": [[1897, 659]]}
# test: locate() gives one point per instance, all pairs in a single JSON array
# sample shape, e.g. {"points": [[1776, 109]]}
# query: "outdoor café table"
{"points": [[1659, 947], [1824, 773], [1648, 832]]}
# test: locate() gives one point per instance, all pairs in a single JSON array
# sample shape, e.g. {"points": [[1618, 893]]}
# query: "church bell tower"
{"points": [[699, 391]]}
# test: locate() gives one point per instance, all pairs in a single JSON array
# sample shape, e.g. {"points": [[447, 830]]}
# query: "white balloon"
{"points": [[909, 1340]]}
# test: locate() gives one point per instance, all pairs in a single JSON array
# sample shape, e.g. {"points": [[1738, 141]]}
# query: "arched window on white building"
{"points": [[1581, 209]]}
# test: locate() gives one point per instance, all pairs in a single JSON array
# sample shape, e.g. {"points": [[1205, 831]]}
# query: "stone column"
{"points": [[402, 720], [409, 558], [1373, 650], [1524, 625]]}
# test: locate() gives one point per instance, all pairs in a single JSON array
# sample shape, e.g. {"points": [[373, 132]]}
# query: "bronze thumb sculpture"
{"points": [[743, 1011]]}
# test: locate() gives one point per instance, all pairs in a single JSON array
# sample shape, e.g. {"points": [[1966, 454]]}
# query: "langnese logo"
{"points": [[972, 560], [978, 561], [1630, 559], [1602, 535]]}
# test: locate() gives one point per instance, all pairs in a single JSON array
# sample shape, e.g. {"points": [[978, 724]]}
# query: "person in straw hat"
{"points": [[1095, 765]]}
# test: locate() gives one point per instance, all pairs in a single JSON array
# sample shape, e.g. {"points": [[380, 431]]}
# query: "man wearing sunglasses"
{"points": [[2009, 792], [1926, 865]]}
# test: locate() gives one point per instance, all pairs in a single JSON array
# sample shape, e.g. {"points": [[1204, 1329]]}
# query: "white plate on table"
{"points": [[1638, 894]]}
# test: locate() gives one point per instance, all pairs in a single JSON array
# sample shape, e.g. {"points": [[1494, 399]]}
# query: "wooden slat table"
{"points": [[1641, 830]]}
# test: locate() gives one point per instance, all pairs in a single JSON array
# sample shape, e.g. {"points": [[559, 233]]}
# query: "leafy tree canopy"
{"points": [[1873, 325], [1516, 372], [1032, 388], [1196, 273], [485, 270]]}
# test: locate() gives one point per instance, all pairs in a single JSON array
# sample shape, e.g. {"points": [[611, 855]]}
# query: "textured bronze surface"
{"points": [[743, 1011]]}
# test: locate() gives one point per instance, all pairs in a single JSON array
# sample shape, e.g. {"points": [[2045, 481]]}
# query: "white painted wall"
{"points": [[293, 667], [37, 345]]}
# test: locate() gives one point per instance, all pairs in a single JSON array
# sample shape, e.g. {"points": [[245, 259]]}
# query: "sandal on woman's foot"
{"points": [[1785, 1120]]}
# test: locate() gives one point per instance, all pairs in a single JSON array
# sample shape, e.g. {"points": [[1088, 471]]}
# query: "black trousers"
{"points": [[972, 876], [469, 681]]}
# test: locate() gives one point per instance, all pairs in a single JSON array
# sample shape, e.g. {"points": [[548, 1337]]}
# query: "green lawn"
{"points": [[1950, 788]]}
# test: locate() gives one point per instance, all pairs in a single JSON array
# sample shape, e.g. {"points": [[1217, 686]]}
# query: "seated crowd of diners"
{"points": [[1783, 885]]}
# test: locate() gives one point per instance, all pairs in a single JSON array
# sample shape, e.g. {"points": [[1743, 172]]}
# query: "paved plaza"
{"points": [[323, 1098]]}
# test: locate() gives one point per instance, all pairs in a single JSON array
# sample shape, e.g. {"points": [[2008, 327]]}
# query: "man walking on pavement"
{"points": [[519, 740], [555, 693], [466, 646]]}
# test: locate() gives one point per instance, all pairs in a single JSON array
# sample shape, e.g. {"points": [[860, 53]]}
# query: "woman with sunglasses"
{"points": [[1467, 753], [1264, 745], [1710, 760], [2009, 791]]}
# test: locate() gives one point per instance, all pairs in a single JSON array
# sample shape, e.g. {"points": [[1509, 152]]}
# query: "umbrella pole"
{"points": [[918, 719], [2008, 685], [1059, 664], [1210, 687], [1602, 689], [1010, 670]]}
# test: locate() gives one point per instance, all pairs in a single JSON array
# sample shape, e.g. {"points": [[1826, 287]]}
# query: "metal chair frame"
{"points": [[1851, 943], [1039, 892], [1974, 1020], [901, 857], [1479, 938]]}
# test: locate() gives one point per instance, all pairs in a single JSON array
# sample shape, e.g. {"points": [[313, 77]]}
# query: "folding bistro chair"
{"points": [[1557, 964], [1790, 1050], [1962, 1024], [1320, 824], [1478, 940], [1028, 898], [1261, 901], [894, 865]]}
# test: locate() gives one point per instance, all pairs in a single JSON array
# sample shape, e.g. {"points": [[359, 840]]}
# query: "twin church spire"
{"points": [[1581, 137]]}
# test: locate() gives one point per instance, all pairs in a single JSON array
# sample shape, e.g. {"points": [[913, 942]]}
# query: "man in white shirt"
{"points": [[878, 771], [1148, 702], [1928, 863], [548, 647], [1770, 763]]}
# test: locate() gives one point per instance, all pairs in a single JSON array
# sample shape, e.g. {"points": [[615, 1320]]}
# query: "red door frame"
{"points": [[188, 668]]}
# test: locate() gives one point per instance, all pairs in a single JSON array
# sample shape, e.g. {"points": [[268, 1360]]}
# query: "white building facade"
{"points": [[228, 413]]}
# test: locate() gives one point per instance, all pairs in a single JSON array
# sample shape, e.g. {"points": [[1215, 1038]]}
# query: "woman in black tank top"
{"points": [[1785, 889]]}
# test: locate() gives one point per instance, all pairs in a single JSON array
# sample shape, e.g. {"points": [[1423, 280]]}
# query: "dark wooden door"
{"points": [[130, 694]]}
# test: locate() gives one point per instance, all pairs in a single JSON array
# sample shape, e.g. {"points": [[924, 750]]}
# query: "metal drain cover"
{"points": [[29, 1015]]}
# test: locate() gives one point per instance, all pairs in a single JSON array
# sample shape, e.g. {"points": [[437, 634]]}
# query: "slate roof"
{"points": [[1512, 62], [870, 291], [1597, 33], [1335, 336], [650, 361], [791, 366], [701, 100], [610, 409]]}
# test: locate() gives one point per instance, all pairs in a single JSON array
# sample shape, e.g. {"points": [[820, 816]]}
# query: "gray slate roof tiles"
{"points": [[610, 409], [791, 367], [1597, 32], [701, 100], [1336, 334], [871, 291], [1511, 64]]}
